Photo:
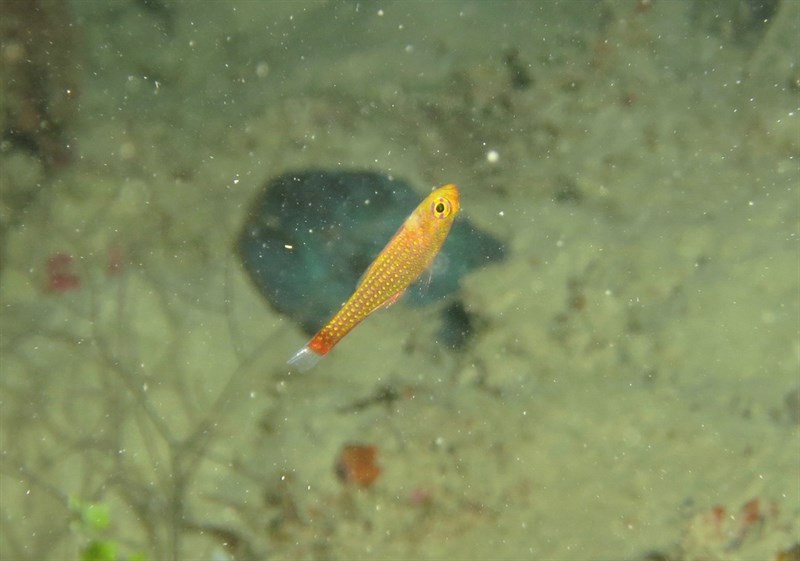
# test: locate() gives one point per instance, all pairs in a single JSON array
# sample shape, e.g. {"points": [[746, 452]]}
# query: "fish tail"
{"points": [[304, 359]]}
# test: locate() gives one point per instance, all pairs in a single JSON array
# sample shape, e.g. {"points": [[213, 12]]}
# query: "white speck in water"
{"points": [[492, 156]]}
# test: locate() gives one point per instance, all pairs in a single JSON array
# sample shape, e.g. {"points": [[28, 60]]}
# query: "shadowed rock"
{"points": [[311, 235]]}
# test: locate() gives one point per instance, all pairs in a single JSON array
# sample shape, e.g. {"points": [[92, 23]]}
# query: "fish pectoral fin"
{"points": [[426, 280], [392, 299]]}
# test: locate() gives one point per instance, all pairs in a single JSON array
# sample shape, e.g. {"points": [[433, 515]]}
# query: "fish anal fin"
{"points": [[392, 299]]}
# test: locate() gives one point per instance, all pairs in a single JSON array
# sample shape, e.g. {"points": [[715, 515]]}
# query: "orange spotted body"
{"points": [[407, 255]]}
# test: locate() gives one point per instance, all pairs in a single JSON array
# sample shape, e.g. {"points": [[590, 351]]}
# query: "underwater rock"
{"points": [[41, 78], [311, 235]]}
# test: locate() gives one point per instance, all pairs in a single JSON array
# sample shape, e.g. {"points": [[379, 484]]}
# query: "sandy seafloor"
{"points": [[632, 390]]}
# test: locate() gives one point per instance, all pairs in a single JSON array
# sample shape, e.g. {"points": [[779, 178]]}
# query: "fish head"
{"points": [[444, 203]]}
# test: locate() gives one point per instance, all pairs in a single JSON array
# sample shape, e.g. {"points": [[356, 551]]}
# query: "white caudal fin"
{"points": [[304, 359]]}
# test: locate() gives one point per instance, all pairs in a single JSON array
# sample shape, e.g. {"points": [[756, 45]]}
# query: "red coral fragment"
{"points": [[59, 276]]}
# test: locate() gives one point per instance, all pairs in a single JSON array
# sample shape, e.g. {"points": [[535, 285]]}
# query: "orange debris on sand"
{"points": [[357, 465]]}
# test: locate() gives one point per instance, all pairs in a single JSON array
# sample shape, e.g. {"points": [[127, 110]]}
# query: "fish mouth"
{"points": [[451, 192]]}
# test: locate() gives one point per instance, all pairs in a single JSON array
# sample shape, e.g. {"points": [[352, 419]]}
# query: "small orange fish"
{"points": [[410, 252]]}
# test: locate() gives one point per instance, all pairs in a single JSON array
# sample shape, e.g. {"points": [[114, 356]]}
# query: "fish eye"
{"points": [[441, 208]]}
